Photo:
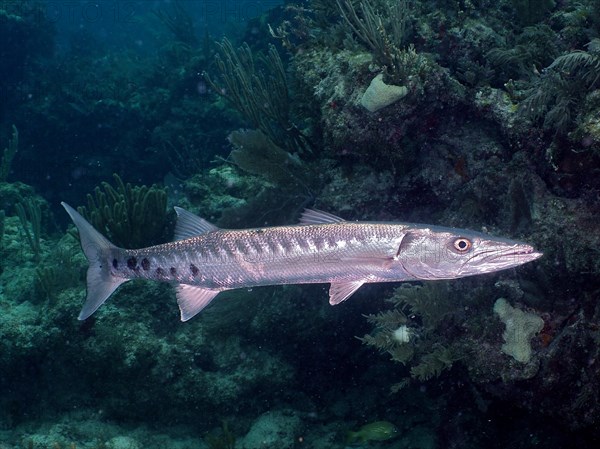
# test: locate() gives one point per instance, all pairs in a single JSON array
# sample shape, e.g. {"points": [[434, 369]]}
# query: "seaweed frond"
{"points": [[535, 48], [30, 216], [256, 86], [388, 319], [429, 301], [61, 272], [255, 153], [179, 21], [410, 332], [402, 353], [433, 364], [581, 65], [556, 96], [382, 26], [130, 216]]}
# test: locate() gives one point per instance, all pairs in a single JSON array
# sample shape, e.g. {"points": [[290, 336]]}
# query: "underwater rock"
{"points": [[123, 442], [379, 95], [520, 328], [273, 429]]}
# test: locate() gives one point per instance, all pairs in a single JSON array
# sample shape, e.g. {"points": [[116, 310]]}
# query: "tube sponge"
{"points": [[520, 328], [379, 95]]}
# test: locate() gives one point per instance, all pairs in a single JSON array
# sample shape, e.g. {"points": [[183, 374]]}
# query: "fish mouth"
{"points": [[532, 254], [500, 258], [516, 255]]}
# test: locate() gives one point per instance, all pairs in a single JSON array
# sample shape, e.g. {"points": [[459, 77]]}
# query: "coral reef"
{"points": [[497, 130]]}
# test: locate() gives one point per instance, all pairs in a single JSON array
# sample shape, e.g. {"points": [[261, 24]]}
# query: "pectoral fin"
{"points": [[192, 300], [340, 291]]}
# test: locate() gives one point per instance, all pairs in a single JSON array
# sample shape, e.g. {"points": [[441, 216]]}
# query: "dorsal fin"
{"points": [[314, 216], [190, 225]]}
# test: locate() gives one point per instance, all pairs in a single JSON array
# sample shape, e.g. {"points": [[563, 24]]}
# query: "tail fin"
{"points": [[100, 282]]}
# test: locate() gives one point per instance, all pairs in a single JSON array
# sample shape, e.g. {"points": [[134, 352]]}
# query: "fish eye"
{"points": [[462, 245]]}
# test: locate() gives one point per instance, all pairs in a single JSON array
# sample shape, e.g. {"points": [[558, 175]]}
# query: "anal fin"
{"points": [[192, 299], [340, 291]]}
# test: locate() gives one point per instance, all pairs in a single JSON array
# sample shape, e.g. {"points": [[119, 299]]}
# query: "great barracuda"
{"points": [[205, 260]]}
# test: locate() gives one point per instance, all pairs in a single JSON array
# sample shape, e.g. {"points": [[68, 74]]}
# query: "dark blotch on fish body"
{"points": [[145, 264], [132, 263], [194, 270]]}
